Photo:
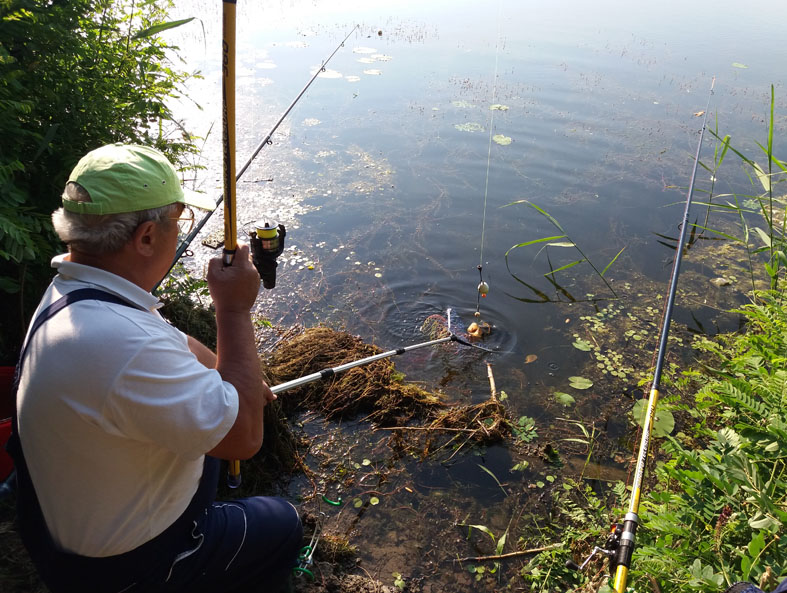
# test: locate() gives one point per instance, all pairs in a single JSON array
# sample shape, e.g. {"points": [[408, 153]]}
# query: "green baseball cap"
{"points": [[128, 178]]}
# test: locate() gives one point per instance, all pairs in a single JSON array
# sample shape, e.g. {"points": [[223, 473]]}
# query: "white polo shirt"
{"points": [[115, 416]]}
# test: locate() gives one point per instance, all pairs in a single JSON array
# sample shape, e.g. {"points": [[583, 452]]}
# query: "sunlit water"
{"points": [[394, 189]]}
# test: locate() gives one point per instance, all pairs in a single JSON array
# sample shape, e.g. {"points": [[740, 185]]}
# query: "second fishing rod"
{"points": [[619, 546]]}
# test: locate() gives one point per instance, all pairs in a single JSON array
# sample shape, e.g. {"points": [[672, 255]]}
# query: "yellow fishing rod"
{"points": [[267, 241], [619, 546], [228, 159]]}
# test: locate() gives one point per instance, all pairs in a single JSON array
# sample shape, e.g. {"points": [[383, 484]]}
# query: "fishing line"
{"points": [[483, 287]]}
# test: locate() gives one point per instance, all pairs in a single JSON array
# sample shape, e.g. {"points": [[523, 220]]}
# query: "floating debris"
{"points": [[739, 65], [311, 121], [501, 139], [719, 282], [469, 127], [352, 78], [498, 107], [367, 60], [531, 358], [364, 50], [463, 104], [330, 74], [373, 72], [382, 57]]}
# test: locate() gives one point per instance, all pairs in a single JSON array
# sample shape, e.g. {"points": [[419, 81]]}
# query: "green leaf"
{"points": [[566, 267], [764, 178], [155, 29], [760, 521], [604, 271], [580, 382], [663, 423], [484, 529], [739, 65], [766, 239], [756, 544], [581, 344], [534, 241], [564, 398], [374, 501]]}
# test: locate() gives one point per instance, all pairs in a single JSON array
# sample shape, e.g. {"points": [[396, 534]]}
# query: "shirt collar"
{"points": [[69, 271]]}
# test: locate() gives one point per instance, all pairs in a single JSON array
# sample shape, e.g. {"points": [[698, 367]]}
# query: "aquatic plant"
{"points": [[558, 241], [760, 216]]}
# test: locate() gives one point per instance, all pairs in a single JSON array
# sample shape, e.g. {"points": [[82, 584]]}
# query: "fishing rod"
{"points": [[183, 247], [228, 161], [619, 546]]}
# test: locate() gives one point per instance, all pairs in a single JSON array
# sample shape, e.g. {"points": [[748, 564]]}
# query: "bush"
{"points": [[74, 75], [718, 513]]}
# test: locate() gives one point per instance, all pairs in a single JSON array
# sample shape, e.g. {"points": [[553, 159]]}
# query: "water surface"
{"points": [[394, 191]]}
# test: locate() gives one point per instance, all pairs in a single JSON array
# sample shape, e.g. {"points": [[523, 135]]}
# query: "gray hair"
{"points": [[101, 234]]}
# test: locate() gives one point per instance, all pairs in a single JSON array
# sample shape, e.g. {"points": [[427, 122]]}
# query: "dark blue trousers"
{"points": [[246, 545]]}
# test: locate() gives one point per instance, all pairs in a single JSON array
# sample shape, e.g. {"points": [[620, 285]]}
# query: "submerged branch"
{"points": [[509, 554]]}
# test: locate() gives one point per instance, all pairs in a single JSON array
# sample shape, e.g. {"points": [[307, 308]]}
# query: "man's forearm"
{"points": [[238, 363]]}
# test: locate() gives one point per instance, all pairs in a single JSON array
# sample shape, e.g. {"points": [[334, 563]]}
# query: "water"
{"points": [[392, 200]]}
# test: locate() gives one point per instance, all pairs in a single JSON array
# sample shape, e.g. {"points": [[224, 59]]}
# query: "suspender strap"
{"points": [[81, 294]]}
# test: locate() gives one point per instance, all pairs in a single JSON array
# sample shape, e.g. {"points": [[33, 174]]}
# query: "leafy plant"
{"points": [[559, 241], [73, 76], [588, 438], [525, 429], [760, 216], [498, 543], [718, 512]]}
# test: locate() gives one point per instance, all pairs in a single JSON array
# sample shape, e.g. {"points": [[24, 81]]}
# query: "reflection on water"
{"points": [[394, 191]]}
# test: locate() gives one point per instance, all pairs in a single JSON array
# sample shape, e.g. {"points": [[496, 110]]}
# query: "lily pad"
{"points": [[663, 422], [581, 344], [580, 382], [564, 398], [469, 127], [501, 139]]}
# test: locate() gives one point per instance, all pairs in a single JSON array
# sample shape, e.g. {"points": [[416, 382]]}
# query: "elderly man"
{"points": [[121, 418]]}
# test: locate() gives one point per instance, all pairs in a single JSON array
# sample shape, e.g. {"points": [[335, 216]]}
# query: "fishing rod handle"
{"points": [[625, 551]]}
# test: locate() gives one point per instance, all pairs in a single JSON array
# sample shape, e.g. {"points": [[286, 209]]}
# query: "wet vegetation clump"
{"points": [[375, 388]]}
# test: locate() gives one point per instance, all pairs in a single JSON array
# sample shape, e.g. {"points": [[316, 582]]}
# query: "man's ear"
{"points": [[145, 237]]}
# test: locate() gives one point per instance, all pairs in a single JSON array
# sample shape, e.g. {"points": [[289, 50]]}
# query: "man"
{"points": [[122, 418]]}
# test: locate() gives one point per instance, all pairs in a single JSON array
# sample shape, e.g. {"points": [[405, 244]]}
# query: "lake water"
{"points": [[396, 179]]}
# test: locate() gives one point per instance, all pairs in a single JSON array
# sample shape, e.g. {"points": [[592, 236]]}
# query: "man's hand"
{"points": [[234, 288]]}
